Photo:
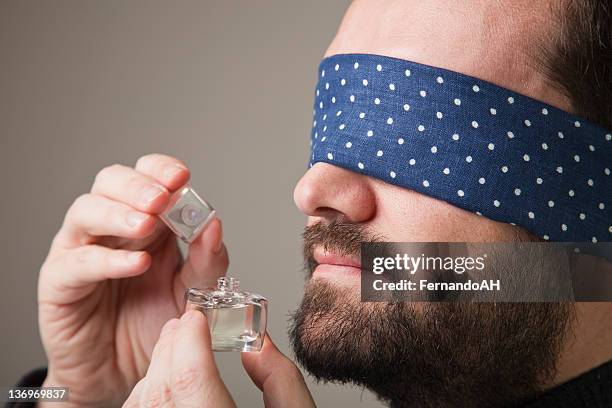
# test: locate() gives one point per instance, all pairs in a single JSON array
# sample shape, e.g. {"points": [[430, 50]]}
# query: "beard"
{"points": [[423, 354]]}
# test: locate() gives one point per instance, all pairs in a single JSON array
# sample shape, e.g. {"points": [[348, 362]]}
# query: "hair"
{"points": [[578, 62]]}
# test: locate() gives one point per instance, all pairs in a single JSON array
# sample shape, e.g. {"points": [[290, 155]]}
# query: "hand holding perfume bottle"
{"points": [[237, 319]]}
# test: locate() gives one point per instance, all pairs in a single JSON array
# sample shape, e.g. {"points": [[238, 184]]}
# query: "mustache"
{"points": [[340, 237]]}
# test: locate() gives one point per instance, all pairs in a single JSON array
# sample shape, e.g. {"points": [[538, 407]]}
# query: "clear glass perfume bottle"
{"points": [[187, 214], [237, 319]]}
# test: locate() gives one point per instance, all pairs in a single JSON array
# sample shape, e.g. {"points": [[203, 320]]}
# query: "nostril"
{"points": [[327, 212]]}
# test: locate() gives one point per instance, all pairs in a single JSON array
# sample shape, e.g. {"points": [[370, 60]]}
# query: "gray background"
{"points": [[224, 85]]}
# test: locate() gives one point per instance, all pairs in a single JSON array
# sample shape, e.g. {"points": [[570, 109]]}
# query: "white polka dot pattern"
{"points": [[473, 144]]}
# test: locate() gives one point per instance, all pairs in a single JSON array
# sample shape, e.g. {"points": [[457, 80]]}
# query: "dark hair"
{"points": [[578, 62]]}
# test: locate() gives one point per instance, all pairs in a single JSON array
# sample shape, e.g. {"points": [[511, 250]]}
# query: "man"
{"points": [[114, 275]]}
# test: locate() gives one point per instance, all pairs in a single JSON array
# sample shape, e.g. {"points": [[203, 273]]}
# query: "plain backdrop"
{"points": [[226, 86]]}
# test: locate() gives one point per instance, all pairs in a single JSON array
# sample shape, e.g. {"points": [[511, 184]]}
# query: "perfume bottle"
{"points": [[237, 319], [187, 214]]}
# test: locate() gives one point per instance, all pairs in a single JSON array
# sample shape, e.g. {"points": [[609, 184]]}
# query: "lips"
{"points": [[324, 257], [333, 265]]}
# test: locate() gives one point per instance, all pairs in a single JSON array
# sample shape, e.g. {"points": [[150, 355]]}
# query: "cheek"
{"points": [[406, 216]]}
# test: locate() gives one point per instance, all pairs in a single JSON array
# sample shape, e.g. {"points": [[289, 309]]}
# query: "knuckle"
{"points": [[135, 185], [187, 380], [106, 171], [158, 398], [147, 159], [80, 202], [155, 160], [141, 161]]}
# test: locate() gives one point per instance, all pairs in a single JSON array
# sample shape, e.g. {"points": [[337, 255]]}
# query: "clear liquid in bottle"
{"points": [[236, 319]]}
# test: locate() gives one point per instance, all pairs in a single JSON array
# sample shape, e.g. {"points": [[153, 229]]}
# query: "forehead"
{"points": [[493, 41]]}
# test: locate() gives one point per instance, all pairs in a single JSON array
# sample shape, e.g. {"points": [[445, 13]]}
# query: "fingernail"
{"points": [[134, 257], [219, 246], [150, 193], [172, 170], [135, 218]]}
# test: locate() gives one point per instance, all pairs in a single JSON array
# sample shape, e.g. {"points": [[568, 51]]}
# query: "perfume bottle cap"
{"points": [[187, 214], [192, 215]]}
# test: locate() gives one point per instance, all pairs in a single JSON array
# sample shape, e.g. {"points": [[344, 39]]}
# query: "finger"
{"points": [[152, 389], [280, 380], [161, 358], [64, 275], [94, 215], [168, 171], [194, 378], [207, 259], [156, 391], [126, 185]]}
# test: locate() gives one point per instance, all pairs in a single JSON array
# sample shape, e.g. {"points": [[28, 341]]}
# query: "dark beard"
{"points": [[424, 354]]}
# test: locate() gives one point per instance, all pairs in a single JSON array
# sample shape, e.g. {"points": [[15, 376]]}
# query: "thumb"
{"points": [[207, 259], [194, 378], [280, 380]]}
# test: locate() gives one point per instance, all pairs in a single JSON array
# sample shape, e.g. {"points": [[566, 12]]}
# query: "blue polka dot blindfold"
{"points": [[475, 145]]}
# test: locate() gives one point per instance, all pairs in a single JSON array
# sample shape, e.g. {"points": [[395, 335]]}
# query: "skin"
{"points": [[114, 276], [183, 372], [109, 284], [485, 39]]}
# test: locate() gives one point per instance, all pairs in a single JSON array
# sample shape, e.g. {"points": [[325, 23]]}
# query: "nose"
{"points": [[335, 194]]}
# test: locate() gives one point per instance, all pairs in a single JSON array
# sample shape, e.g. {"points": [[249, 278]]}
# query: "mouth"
{"points": [[334, 266]]}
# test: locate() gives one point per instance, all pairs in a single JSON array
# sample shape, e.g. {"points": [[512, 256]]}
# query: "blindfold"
{"points": [[468, 142]]}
